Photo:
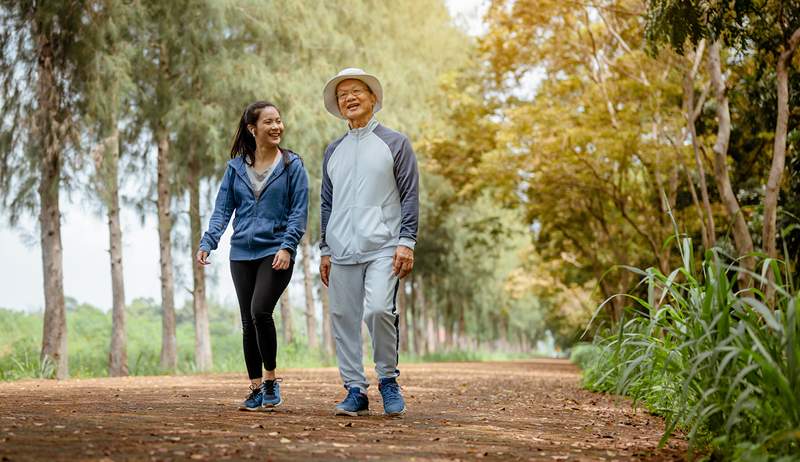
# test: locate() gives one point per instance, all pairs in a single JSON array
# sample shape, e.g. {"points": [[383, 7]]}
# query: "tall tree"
{"points": [[202, 333], [772, 30], [592, 128], [741, 234], [104, 87], [327, 336], [208, 103], [287, 327], [40, 52], [167, 55], [692, 106], [784, 64], [311, 316]]}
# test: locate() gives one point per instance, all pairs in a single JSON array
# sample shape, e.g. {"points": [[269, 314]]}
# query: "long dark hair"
{"points": [[244, 143]]}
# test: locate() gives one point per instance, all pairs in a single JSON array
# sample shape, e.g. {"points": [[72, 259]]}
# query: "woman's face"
{"points": [[268, 129]]}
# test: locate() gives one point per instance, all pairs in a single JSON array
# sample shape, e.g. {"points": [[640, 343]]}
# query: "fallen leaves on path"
{"points": [[527, 410]]}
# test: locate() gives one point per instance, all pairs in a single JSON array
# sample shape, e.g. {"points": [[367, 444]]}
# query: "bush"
{"points": [[585, 354], [721, 362]]}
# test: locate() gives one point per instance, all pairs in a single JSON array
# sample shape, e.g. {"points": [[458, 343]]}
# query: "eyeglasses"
{"points": [[355, 92]]}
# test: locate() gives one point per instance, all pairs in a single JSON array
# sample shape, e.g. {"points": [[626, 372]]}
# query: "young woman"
{"points": [[267, 186]]}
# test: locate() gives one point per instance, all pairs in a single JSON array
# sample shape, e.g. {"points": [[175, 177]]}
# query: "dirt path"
{"points": [[532, 410]]}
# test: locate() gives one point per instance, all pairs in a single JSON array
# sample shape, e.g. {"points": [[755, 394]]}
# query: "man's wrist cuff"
{"points": [[407, 242], [324, 251]]}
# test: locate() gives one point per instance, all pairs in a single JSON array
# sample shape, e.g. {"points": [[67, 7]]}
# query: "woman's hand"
{"points": [[282, 260], [202, 258]]}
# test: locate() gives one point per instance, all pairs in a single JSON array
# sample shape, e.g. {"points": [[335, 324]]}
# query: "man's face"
{"points": [[355, 99]]}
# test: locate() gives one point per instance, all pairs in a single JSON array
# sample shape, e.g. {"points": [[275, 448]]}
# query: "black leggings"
{"points": [[258, 288]]}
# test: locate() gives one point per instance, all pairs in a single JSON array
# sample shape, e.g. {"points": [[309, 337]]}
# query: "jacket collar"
{"points": [[365, 130], [240, 167]]}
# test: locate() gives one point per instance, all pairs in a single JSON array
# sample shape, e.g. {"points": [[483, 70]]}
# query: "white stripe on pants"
{"points": [[364, 291]]}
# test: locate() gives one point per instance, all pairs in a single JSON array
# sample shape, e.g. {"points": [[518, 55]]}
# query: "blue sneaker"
{"points": [[271, 394], [355, 404], [393, 403], [253, 400]]}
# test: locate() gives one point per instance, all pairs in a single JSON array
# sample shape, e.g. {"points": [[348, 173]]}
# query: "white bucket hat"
{"points": [[329, 93]]}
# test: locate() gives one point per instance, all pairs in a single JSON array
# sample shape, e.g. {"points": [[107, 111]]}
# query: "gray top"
{"points": [[370, 197], [259, 180]]}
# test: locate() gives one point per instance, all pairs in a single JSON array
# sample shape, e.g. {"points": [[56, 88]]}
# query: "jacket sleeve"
{"points": [[298, 208], [326, 201], [223, 209], [407, 178]]}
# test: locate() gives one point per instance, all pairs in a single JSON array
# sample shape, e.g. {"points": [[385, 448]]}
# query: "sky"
{"points": [[84, 234]]}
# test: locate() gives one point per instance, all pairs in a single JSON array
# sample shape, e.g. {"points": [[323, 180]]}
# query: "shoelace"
{"points": [[352, 396], [391, 390], [254, 391], [269, 386]]}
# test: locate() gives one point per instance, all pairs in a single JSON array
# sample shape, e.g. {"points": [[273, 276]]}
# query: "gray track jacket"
{"points": [[370, 196]]}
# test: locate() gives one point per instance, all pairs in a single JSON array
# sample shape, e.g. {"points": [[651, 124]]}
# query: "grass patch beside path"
{"points": [[718, 361]]}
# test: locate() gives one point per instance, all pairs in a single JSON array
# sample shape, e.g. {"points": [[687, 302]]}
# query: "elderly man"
{"points": [[370, 208]]}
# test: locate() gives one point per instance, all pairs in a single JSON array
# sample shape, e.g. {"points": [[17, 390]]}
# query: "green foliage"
{"points": [[585, 355], [20, 340], [674, 21], [22, 151], [20, 337], [711, 357]]}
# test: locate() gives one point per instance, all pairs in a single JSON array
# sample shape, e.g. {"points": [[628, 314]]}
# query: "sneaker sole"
{"points": [[338, 411], [249, 409], [395, 414], [269, 407]]}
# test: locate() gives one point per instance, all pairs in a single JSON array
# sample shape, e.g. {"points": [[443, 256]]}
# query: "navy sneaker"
{"points": [[393, 403], [271, 393], [355, 404], [253, 400]]}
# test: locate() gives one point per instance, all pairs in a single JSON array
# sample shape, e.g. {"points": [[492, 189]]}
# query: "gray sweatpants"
{"points": [[364, 291]]}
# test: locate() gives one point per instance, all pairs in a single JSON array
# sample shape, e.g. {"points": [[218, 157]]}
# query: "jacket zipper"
{"points": [[353, 229], [258, 199]]}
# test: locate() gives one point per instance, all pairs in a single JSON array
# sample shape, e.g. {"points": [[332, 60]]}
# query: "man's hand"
{"points": [[325, 269], [403, 261], [282, 260]]}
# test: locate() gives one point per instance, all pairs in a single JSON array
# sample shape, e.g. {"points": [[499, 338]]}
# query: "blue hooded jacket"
{"points": [[263, 226]]}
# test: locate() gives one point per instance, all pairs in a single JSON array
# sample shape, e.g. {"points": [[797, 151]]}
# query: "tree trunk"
{"points": [[422, 316], [401, 311], [311, 312], [741, 235], [616, 306], [414, 330], [432, 331], [327, 337], [286, 318], [54, 334], [169, 349], [700, 214], [109, 166], [691, 113], [779, 149], [461, 332], [202, 335]]}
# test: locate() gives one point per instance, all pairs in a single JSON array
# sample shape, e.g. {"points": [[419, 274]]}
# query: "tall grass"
{"points": [[720, 361]]}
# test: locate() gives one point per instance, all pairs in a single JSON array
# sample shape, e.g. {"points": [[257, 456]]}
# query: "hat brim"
{"points": [[329, 93]]}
